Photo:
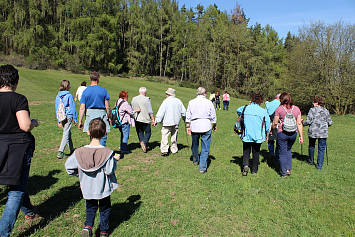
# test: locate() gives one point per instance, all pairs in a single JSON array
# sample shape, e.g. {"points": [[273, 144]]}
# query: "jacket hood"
{"points": [[63, 93], [92, 158]]}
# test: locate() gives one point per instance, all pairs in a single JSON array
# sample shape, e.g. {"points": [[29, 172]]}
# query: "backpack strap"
{"points": [[118, 107], [242, 117]]}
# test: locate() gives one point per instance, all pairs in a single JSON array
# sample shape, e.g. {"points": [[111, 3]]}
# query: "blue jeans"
{"points": [[284, 145], [17, 199], [322, 142], [205, 148], [124, 136], [104, 206], [143, 131], [66, 139], [225, 105]]}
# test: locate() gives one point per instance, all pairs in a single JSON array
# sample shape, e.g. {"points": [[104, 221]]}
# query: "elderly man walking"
{"points": [[96, 100], [144, 117], [169, 115], [199, 116], [272, 136]]}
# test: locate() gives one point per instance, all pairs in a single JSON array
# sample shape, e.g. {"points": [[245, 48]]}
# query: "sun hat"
{"points": [[170, 91]]}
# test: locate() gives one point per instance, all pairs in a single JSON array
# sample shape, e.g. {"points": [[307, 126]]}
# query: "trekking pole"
{"points": [[326, 152], [302, 153], [187, 138]]}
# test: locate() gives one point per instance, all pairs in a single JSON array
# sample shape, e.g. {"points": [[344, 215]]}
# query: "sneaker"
{"points": [[288, 172], [144, 148], [86, 232], [202, 171], [195, 163], [245, 170], [164, 154], [219, 108], [60, 155], [254, 172], [103, 234]]}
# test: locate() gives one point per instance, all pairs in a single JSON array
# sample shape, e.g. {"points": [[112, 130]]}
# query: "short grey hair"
{"points": [[142, 90], [201, 91], [277, 96]]}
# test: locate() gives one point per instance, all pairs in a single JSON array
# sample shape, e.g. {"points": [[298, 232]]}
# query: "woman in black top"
{"points": [[218, 100], [16, 148]]}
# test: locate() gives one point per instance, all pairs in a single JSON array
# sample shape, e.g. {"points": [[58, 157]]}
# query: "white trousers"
{"points": [[164, 145]]}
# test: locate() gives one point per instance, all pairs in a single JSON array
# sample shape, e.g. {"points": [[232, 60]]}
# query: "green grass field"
{"points": [[167, 196]]}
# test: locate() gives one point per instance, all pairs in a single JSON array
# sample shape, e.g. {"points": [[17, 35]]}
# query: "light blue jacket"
{"points": [[253, 121], [272, 106], [170, 112], [69, 104], [95, 167]]}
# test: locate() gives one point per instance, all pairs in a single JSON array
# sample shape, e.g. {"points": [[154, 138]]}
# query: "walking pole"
{"points": [[326, 152], [187, 139], [302, 153]]}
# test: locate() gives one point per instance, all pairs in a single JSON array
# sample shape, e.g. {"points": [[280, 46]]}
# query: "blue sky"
{"points": [[286, 15]]}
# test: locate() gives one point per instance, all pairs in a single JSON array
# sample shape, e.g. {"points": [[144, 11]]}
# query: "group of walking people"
{"points": [[280, 121], [215, 97], [95, 164]]}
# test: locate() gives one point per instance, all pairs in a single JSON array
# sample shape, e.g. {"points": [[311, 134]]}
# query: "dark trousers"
{"points": [[143, 131], [284, 145], [104, 206], [255, 148], [218, 104]]}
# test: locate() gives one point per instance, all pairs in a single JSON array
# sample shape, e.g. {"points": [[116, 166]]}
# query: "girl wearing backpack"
{"points": [[66, 100], [319, 120], [288, 119]]}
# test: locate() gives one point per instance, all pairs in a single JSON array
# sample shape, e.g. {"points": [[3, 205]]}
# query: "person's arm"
{"points": [[150, 112], [276, 121], [108, 110], [309, 119], [71, 165], [329, 119], [188, 119], [300, 128], [111, 165], [72, 109], [81, 115], [24, 121]]}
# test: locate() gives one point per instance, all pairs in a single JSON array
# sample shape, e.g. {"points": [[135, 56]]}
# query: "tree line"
{"points": [[198, 45]]}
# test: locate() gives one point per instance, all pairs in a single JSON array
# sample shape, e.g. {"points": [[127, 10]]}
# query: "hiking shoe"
{"points": [[202, 171], [103, 234], [195, 163], [288, 172], [144, 148], [86, 232], [245, 170], [164, 154]]}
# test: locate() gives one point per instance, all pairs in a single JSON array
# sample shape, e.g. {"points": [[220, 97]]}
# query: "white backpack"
{"points": [[289, 124], [61, 114]]}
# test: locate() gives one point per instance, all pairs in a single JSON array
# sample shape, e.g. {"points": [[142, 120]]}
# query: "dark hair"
{"points": [[83, 83], [64, 85], [217, 92], [319, 100], [94, 76], [97, 128], [123, 94], [8, 76], [213, 92], [257, 99], [286, 99]]}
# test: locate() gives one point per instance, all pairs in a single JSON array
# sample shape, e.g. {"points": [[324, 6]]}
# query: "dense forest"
{"points": [[198, 45]]}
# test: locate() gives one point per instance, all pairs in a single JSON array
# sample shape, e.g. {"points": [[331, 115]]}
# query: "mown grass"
{"points": [[166, 196]]}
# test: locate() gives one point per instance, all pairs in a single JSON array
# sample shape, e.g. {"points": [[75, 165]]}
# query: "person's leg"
{"points": [[164, 144], [70, 141], [311, 147], [290, 141], [224, 105], [282, 148], [91, 209], [271, 147], [322, 142], [227, 105], [15, 197], [195, 147], [103, 140], [256, 155], [105, 211], [174, 135], [66, 125], [246, 153], [147, 133], [139, 130], [205, 149], [124, 137]]}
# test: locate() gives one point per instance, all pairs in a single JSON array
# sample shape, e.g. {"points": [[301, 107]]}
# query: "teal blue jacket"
{"points": [[253, 121]]}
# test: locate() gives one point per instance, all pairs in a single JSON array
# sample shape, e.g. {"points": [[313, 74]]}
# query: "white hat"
{"points": [[170, 91]]}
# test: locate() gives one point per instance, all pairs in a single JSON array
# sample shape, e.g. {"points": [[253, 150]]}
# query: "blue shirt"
{"points": [[68, 102], [94, 97], [253, 121], [272, 106], [170, 112]]}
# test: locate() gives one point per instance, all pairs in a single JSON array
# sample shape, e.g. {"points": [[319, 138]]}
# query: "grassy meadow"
{"points": [[167, 196]]}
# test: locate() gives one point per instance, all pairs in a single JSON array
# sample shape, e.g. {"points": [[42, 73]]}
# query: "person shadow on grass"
{"points": [[53, 207], [121, 212]]}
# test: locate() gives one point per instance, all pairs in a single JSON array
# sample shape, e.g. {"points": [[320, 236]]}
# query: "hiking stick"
{"points": [[302, 153], [187, 138], [326, 152]]}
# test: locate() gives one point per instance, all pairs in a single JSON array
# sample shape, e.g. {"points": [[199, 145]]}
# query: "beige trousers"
{"points": [[164, 145]]}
